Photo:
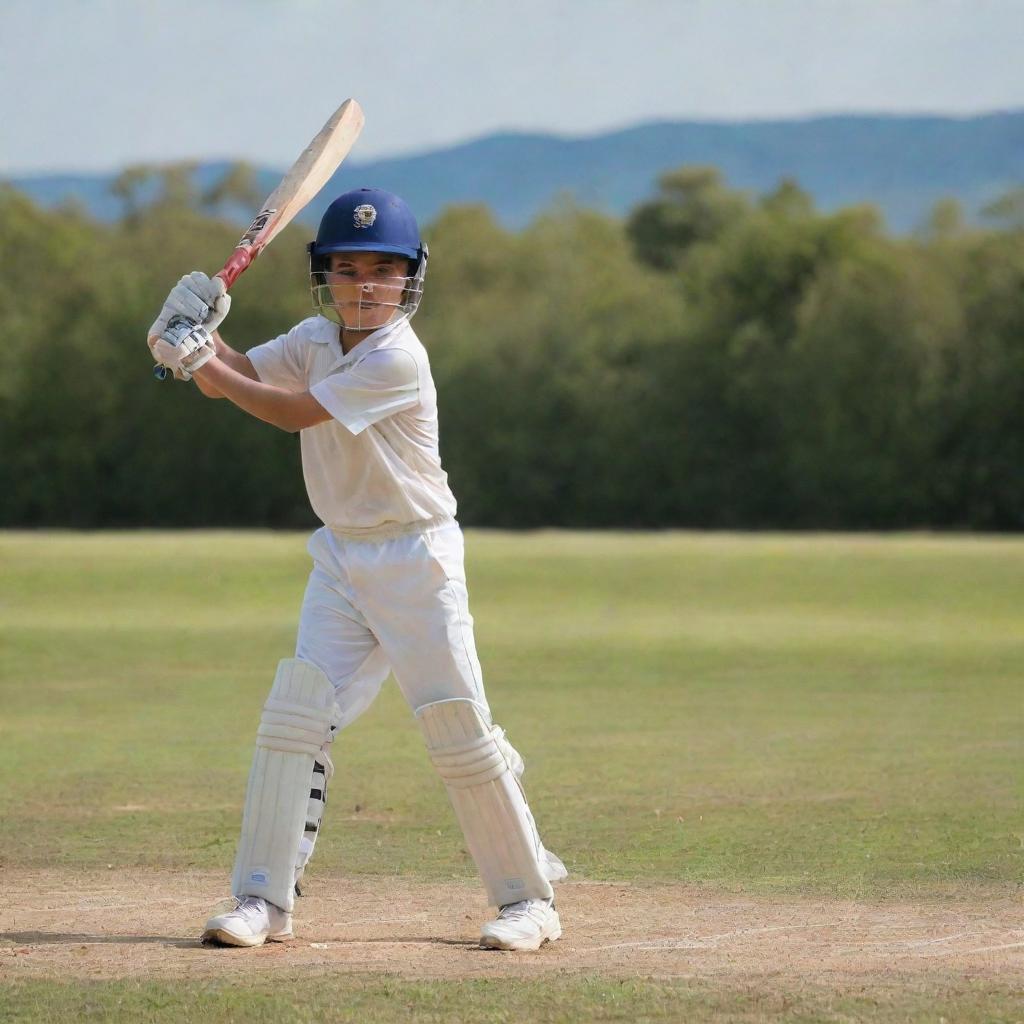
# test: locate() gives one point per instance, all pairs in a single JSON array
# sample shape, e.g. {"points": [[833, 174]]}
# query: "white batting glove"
{"points": [[201, 299], [183, 348]]}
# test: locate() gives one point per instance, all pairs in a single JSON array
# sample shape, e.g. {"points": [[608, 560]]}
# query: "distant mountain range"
{"points": [[901, 164]]}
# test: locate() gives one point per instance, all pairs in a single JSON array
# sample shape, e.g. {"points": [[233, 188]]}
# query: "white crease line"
{"points": [[932, 942], [647, 945], [906, 944], [990, 949], [968, 952], [378, 921], [772, 928], [710, 941]]}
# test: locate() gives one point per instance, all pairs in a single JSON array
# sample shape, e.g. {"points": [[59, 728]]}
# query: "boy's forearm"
{"points": [[238, 362], [284, 409]]}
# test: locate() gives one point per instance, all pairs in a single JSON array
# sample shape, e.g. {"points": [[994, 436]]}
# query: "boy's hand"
{"points": [[183, 348], [201, 299]]}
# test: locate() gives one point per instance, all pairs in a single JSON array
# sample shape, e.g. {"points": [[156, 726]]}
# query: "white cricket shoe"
{"points": [[525, 925], [252, 922]]}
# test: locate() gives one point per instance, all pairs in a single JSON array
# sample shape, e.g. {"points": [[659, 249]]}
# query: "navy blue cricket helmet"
{"points": [[368, 220]]}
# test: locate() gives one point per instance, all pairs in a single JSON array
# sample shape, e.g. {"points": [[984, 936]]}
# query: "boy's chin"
{"points": [[368, 321]]}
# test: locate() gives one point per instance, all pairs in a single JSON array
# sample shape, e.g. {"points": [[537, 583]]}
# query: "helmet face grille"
{"points": [[359, 303]]}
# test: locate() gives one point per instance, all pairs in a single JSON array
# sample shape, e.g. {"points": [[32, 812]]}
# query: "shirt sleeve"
{"points": [[279, 362], [385, 382]]}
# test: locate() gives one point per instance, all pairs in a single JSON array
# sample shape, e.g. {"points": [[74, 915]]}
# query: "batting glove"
{"points": [[201, 299], [183, 348]]}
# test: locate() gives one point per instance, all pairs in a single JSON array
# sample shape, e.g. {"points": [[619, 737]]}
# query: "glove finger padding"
{"points": [[218, 311], [185, 302], [197, 297], [181, 301], [213, 293]]}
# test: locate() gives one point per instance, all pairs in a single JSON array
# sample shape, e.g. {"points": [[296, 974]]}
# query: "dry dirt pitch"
{"points": [[60, 925]]}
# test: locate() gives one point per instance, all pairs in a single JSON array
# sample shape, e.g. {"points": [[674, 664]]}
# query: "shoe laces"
{"points": [[249, 905], [517, 911]]}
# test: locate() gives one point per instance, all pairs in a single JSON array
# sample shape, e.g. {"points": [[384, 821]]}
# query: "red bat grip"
{"points": [[242, 256]]}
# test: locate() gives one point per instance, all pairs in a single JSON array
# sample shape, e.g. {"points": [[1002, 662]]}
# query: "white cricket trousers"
{"points": [[398, 605]]}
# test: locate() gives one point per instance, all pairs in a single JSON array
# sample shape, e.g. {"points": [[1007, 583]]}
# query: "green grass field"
{"points": [[782, 716]]}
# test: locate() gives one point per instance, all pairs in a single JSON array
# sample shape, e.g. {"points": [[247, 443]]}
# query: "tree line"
{"points": [[712, 360]]}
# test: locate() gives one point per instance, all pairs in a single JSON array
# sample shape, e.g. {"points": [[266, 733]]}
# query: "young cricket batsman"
{"points": [[387, 590]]}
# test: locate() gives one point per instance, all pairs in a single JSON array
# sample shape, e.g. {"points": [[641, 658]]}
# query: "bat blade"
{"points": [[320, 159]]}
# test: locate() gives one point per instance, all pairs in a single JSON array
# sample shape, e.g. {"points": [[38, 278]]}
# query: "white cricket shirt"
{"points": [[374, 469]]}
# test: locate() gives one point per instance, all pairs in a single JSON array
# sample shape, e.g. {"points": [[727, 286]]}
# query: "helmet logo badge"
{"points": [[364, 216]]}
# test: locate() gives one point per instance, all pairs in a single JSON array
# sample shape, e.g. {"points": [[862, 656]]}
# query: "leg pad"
{"points": [[294, 728], [480, 770]]}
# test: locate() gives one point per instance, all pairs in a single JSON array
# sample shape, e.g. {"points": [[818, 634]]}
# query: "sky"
{"points": [[93, 85]]}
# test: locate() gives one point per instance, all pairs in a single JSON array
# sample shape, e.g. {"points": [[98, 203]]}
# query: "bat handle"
{"points": [[239, 259]]}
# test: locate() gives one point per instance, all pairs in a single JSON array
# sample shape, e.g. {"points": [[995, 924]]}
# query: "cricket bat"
{"points": [[319, 160]]}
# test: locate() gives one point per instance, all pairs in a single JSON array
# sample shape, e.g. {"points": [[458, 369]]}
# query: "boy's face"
{"points": [[366, 287]]}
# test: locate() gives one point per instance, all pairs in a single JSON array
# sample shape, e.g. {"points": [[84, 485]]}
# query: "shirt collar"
{"points": [[368, 344]]}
